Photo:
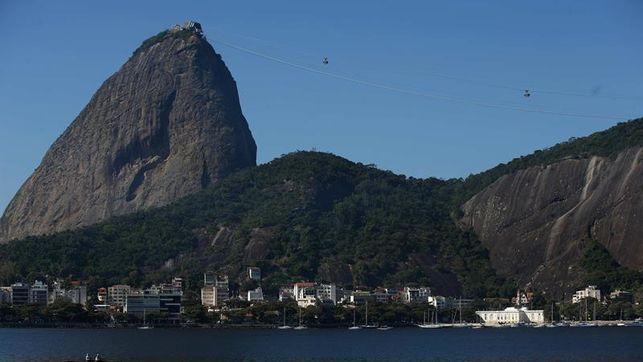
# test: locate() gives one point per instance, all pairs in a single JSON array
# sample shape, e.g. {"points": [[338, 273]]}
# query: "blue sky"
{"points": [[56, 54]]}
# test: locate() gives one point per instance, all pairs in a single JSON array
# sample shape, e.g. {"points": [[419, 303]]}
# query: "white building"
{"points": [[327, 293], [511, 315], [416, 295], [39, 293], [216, 290], [305, 294], [589, 292], [77, 294], [255, 295], [117, 294]]}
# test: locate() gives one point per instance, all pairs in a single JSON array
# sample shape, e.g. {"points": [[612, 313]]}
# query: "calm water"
{"points": [[409, 344]]}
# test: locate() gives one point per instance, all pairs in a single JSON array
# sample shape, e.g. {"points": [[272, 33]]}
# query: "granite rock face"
{"points": [[167, 124], [536, 221]]}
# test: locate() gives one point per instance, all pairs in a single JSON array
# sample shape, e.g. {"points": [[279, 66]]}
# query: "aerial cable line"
{"points": [[413, 92], [472, 81]]}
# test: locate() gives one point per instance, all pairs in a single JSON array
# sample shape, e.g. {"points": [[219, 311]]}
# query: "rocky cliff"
{"points": [[536, 221], [167, 124]]}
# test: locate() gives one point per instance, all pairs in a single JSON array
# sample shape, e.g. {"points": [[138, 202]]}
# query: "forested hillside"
{"points": [[306, 215]]}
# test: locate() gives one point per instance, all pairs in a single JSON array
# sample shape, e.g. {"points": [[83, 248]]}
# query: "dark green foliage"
{"points": [[292, 217], [603, 271]]}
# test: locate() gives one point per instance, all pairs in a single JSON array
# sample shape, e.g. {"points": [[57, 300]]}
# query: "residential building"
{"points": [[20, 293], [117, 295], [77, 294], [39, 293], [384, 295], [216, 290], [326, 293], [170, 305], [511, 315], [255, 295], [285, 293], [361, 297], [209, 279], [590, 292], [522, 298], [254, 273], [622, 295], [416, 295], [139, 304], [438, 301], [207, 296], [305, 294]]}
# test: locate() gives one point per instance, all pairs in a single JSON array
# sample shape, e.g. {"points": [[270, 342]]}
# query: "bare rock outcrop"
{"points": [[167, 124], [536, 221]]}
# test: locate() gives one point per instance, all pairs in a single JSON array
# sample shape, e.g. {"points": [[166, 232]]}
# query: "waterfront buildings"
{"points": [[117, 295], [39, 293], [305, 293], [140, 304], [511, 315], [309, 293], [76, 294], [20, 293], [622, 295], [589, 292], [416, 295], [216, 290], [255, 295]]}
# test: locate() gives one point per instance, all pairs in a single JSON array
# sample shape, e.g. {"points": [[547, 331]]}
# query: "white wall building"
{"points": [[589, 292], [511, 315], [416, 295], [255, 295], [327, 293], [117, 294], [216, 290]]}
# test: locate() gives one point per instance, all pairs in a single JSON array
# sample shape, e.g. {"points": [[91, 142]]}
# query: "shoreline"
{"points": [[589, 324]]}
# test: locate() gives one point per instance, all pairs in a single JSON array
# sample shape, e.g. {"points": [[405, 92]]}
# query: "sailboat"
{"points": [[354, 326], [433, 325], [284, 326], [300, 326], [366, 325], [145, 325]]}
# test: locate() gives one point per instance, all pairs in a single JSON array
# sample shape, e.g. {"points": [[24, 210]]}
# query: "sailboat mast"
{"points": [[367, 312]]}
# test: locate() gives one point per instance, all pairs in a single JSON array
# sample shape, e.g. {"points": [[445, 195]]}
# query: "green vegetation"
{"points": [[308, 215], [604, 272], [304, 216]]}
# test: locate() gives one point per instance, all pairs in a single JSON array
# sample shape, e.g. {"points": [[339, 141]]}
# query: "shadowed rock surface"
{"points": [[166, 125], [536, 221]]}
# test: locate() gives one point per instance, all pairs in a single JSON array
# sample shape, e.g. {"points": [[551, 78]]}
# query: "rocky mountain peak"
{"points": [[167, 124]]}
